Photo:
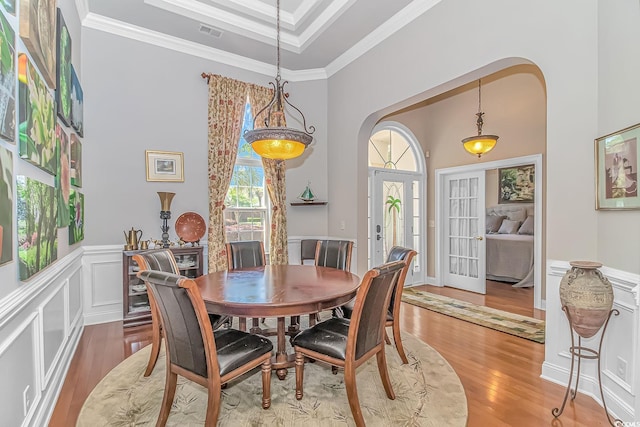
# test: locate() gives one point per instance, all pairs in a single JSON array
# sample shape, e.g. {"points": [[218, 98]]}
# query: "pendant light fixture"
{"points": [[480, 144], [275, 140]]}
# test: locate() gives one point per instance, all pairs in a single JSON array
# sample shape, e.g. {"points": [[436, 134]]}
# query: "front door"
{"points": [[464, 225], [392, 217]]}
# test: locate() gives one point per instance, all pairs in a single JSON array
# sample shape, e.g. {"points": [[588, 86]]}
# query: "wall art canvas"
{"points": [[37, 229], [9, 6], [76, 217], [75, 170], [517, 184], [63, 179], [6, 205], [38, 32], [617, 161], [63, 71], [77, 101], [7, 80], [36, 118]]}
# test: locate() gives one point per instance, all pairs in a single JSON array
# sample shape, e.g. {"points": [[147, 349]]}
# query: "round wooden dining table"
{"points": [[277, 291]]}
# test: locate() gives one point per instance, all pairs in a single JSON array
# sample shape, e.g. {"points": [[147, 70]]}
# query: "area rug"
{"points": [[428, 393], [514, 324]]}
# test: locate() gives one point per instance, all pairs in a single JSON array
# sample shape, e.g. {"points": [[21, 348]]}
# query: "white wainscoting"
{"points": [[40, 325], [620, 344]]}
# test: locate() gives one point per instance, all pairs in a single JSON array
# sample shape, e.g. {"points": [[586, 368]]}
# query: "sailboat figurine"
{"points": [[307, 194]]}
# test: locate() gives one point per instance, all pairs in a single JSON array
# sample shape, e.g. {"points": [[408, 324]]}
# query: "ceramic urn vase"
{"points": [[588, 296]]}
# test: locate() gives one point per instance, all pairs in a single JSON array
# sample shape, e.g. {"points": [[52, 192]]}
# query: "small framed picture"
{"points": [[165, 166], [617, 169]]}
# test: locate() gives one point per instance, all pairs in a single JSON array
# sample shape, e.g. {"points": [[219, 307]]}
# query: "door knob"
{"points": [[478, 237]]}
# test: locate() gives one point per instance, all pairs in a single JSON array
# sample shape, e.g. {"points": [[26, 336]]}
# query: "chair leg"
{"points": [[156, 337], [352, 394], [384, 373], [313, 319], [386, 337], [398, 341], [266, 384], [167, 398], [299, 374], [213, 408], [334, 370]]}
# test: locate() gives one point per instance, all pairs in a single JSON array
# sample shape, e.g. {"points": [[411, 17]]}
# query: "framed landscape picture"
{"points": [[77, 101], [7, 80], [75, 168], [617, 163], [516, 184], [63, 178], [37, 230], [38, 32], [6, 205], [63, 71], [164, 166], [36, 118]]}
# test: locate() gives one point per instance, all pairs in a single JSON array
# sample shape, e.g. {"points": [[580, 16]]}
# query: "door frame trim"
{"points": [[535, 159]]}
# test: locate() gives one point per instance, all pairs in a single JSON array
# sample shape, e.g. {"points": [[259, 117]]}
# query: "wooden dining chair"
{"points": [[162, 260], [246, 254], [397, 253], [197, 353], [334, 254], [348, 343]]}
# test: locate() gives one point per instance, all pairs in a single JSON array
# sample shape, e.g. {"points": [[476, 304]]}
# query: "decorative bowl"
{"points": [[190, 227]]}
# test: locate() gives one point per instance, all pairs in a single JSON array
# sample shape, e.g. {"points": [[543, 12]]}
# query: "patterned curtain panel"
{"points": [[227, 99], [275, 171]]}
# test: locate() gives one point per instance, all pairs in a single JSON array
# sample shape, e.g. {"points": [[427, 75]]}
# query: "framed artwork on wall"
{"points": [[38, 31], [77, 101], [9, 6], [63, 179], [7, 80], [165, 166], [76, 217], [75, 168], [516, 184], [63, 71], [37, 230], [6, 205], [617, 163], [36, 118]]}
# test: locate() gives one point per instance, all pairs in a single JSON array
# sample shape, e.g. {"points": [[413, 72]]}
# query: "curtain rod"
{"points": [[207, 76]]}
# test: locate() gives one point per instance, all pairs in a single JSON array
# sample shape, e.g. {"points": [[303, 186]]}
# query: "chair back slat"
{"points": [[183, 336], [334, 253], [369, 313], [398, 253], [307, 249], [245, 254]]}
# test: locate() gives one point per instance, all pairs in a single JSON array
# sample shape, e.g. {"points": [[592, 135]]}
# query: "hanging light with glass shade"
{"points": [[479, 144], [275, 140]]}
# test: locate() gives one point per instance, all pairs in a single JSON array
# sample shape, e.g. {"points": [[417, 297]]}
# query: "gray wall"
{"points": [[139, 96]]}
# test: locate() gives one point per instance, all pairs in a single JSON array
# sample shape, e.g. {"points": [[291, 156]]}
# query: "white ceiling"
{"points": [[316, 35]]}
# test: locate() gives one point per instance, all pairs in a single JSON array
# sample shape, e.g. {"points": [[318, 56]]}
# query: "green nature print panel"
{"points": [[75, 171], [76, 216], [6, 205], [36, 117], [37, 230], [38, 32], [9, 6], [63, 179], [63, 70], [7, 80]]}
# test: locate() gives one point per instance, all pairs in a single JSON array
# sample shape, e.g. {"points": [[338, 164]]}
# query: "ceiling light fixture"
{"points": [[275, 140], [480, 144]]}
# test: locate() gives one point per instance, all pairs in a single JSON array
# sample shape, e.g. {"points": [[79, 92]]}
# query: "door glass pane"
{"points": [[394, 206], [473, 268]]}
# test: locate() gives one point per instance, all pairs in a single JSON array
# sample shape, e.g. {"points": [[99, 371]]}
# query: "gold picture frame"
{"points": [[164, 166], [617, 159]]}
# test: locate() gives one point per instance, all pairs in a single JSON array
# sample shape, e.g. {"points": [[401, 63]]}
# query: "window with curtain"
{"points": [[246, 213]]}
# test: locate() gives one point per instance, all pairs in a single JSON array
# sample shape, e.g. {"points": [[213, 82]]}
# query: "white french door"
{"points": [[464, 225], [395, 218]]}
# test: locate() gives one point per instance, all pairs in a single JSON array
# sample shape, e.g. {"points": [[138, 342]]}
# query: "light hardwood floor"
{"points": [[500, 373]]}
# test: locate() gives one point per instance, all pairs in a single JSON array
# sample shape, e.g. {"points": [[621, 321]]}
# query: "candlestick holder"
{"points": [[165, 215]]}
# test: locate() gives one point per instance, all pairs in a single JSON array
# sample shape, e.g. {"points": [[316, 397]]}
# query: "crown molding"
{"points": [[82, 6], [144, 35], [392, 25]]}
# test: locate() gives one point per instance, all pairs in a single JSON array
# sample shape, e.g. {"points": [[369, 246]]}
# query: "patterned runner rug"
{"points": [[514, 324], [428, 393]]}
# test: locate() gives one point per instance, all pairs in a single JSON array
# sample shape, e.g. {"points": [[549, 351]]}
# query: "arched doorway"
{"points": [[397, 182]]}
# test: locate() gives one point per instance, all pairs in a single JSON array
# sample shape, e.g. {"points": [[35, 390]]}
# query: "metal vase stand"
{"points": [[581, 352]]}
